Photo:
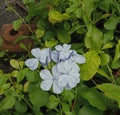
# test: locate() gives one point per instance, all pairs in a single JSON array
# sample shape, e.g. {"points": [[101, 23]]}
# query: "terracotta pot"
{"points": [[9, 36]]}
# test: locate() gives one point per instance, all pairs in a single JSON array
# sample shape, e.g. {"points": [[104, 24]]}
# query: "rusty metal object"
{"points": [[9, 36]]}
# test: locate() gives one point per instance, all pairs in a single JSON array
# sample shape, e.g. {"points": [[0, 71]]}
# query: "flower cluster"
{"points": [[65, 74]]}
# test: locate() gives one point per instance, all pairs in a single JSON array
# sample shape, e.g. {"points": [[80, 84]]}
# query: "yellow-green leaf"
{"points": [[14, 63], [112, 91], [89, 69]]}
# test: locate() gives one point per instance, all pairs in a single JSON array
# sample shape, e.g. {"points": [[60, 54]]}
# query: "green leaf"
{"points": [[112, 91], [21, 107], [49, 35], [103, 73], [95, 98], [65, 107], [39, 33], [32, 76], [104, 58], [105, 5], [7, 103], [89, 6], [89, 69], [111, 23], [93, 38], [23, 46], [53, 102], [107, 45], [20, 75], [51, 43], [14, 63], [108, 36], [68, 96], [116, 59], [88, 110], [16, 24], [63, 36], [38, 97], [57, 17]]}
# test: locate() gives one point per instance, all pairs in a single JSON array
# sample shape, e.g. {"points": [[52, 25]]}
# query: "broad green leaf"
{"points": [[49, 35], [39, 33], [7, 103], [108, 36], [103, 73], [26, 85], [16, 24], [89, 6], [89, 110], [53, 102], [111, 24], [104, 58], [2, 80], [38, 97], [14, 63], [56, 17], [93, 38], [51, 43], [112, 91], [116, 60], [63, 36], [68, 96], [20, 75], [20, 106], [32, 76], [65, 107], [21, 64], [66, 26], [107, 45], [95, 98], [14, 73], [89, 69], [105, 5]]}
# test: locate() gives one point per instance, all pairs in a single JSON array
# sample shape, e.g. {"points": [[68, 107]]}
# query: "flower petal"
{"points": [[64, 67], [45, 57], [32, 63], [67, 46], [46, 85], [36, 52], [72, 81], [55, 56], [55, 73], [62, 81], [59, 48], [79, 59], [56, 88], [45, 74]]}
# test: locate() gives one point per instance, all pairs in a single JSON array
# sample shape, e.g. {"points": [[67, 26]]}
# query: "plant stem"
{"points": [[28, 103], [59, 105], [111, 74]]}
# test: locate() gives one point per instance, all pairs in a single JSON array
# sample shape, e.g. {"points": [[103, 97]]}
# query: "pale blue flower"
{"points": [[69, 74], [42, 56], [32, 63], [64, 51], [80, 59], [50, 80]]}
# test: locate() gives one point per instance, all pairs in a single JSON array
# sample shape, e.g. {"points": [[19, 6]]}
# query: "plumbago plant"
{"points": [[74, 68]]}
